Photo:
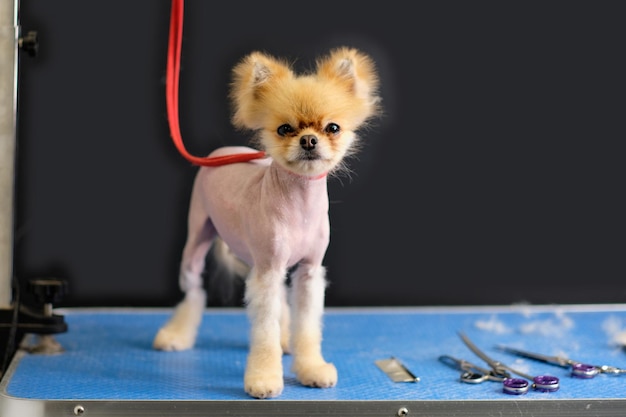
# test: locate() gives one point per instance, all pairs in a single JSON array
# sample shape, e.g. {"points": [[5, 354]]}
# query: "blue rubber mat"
{"points": [[108, 355]]}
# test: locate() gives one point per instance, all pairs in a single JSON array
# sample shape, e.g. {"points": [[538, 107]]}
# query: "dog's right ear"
{"points": [[252, 76]]}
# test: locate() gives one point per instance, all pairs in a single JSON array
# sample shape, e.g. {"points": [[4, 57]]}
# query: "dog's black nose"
{"points": [[308, 142]]}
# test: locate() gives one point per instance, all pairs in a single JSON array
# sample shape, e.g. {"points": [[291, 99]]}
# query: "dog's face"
{"points": [[306, 123]]}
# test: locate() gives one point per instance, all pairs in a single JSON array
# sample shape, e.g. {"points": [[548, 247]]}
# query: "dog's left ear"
{"points": [[353, 69]]}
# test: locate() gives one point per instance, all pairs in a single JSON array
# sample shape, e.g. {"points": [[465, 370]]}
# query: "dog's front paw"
{"points": [[319, 375], [261, 385], [174, 338]]}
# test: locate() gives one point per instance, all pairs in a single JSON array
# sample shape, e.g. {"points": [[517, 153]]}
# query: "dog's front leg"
{"points": [[264, 369], [308, 286]]}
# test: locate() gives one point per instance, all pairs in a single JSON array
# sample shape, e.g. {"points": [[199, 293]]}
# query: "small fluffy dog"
{"points": [[271, 214]]}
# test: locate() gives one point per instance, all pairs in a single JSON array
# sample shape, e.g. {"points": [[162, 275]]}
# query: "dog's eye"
{"points": [[332, 128], [284, 129]]}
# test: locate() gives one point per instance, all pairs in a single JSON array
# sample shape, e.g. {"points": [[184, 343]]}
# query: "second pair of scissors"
{"points": [[577, 369]]}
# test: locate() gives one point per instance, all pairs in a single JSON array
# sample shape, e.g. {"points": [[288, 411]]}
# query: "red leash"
{"points": [[171, 92]]}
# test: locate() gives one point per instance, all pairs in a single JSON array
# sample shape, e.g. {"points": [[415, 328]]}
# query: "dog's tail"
{"points": [[229, 260], [226, 277]]}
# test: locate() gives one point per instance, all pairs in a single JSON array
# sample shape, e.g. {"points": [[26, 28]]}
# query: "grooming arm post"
{"points": [[9, 34], [15, 322]]}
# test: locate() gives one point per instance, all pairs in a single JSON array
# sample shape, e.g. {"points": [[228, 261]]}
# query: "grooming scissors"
{"points": [[544, 383], [577, 369], [474, 374]]}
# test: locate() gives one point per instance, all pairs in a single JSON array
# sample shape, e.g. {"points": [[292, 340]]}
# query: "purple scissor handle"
{"points": [[577, 369], [543, 383]]}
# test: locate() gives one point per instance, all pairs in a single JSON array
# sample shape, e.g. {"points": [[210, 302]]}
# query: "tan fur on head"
{"points": [[356, 71], [267, 94], [251, 77]]}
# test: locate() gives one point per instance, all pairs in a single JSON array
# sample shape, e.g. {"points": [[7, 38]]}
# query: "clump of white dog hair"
{"points": [[557, 325], [493, 324], [615, 330]]}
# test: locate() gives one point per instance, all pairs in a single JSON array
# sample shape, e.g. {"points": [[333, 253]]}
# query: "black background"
{"points": [[495, 176]]}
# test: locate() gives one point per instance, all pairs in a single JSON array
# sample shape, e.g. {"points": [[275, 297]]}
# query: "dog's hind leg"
{"points": [[179, 333], [308, 287]]}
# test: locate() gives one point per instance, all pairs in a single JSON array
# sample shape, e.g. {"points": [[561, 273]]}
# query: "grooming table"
{"points": [[110, 369]]}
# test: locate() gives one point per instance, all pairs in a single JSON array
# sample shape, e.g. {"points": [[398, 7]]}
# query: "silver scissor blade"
{"points": [[463, 365], [497, 367], [554, 360]]}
